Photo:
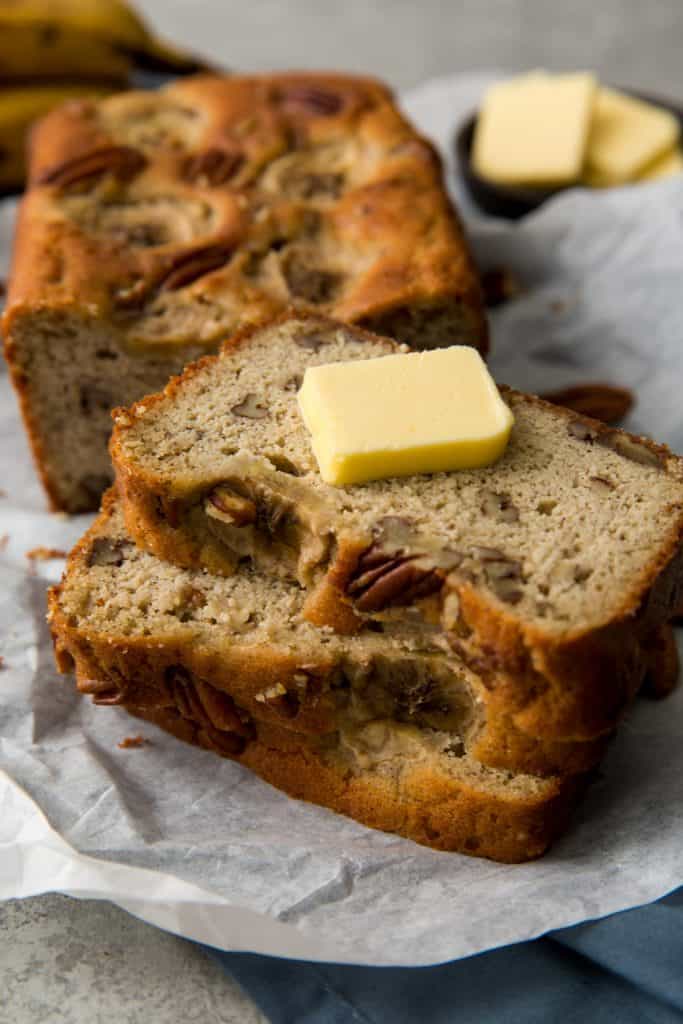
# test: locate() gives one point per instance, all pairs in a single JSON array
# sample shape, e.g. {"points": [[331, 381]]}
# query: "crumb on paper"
{"points": [[132, 742], [4, 541], [2, 663], [3, 494], [41, 554]]}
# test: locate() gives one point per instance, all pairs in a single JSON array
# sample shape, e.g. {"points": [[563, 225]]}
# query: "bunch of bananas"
{"points": [[55, 50]]}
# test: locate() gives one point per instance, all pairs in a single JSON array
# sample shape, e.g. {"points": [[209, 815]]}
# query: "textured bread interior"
{"points": [[398, 700], [119, 592], [568, 527], [72, 371], [157, 640]]}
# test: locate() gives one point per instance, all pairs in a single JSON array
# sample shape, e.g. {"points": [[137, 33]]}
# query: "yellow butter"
{"points": [[422, 412], [664, 166], [533, 129], [626, 135]]}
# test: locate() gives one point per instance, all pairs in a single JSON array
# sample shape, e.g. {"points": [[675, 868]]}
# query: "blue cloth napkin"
{"points": [[624, 969]]}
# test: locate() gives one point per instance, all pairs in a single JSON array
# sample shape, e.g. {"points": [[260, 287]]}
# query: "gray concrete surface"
{"points": [[408, 40], [65, 962]]}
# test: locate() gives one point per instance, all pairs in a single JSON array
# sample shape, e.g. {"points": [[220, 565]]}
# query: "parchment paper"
{"points": [[199, 846]]}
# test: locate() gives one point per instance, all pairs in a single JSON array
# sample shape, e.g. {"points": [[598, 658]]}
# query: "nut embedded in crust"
{"points": [[121, 161], [225, 504], [213, 167]]}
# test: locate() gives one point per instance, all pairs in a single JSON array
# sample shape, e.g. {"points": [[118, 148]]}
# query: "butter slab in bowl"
{"points": [[514, 201]]}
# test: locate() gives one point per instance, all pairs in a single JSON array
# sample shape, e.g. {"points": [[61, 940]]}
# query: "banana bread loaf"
{"points": [[156, 223], [375, 726], [549, 573]]}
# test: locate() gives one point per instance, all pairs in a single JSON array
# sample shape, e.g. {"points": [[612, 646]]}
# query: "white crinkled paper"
{"points": [[199, 846]]}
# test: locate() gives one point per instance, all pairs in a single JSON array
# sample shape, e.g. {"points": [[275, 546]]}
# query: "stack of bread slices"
{"points": [[444, 656]]}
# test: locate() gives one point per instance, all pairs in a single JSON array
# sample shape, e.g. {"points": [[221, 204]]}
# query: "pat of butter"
{"points": [[422, 412], [664, 166], [626, 135], [532, 130]]}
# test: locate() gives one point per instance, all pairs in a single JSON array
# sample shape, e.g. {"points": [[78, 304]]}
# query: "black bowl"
{"points": [[511, 201]]}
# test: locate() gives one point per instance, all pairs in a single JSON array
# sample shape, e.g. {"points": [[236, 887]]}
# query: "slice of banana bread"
{"points": [[549, 572], [157, 222], [375, 726], [246, 634]]}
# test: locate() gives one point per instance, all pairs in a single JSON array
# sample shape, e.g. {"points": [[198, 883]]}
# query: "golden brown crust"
{"points": [[503, 745], [398, 200], [431, 808]]}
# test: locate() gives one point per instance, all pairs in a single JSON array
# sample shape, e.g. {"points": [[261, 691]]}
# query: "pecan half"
{"points": [[190, 266], [225, 504], [395, 580], [123, 162], [602, 402], [372, 566], [213, 167], [186, 268], [222, 711], [310, 99]]}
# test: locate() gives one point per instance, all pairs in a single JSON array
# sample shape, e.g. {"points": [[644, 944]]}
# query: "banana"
{"points": [[100, 39], [19, 108]]}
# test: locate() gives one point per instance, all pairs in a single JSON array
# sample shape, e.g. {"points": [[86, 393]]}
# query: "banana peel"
{"points": [[20, 106], [78, 39]]}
